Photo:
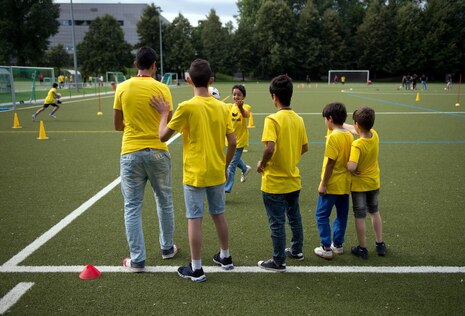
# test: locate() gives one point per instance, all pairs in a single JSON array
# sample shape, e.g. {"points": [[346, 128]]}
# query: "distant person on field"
{"points": [[53, 99], [363, 164], [449, 82], [285, 140], [240, 111], [204, 122], [144, 157], [334, 187], [423, 80], [61, 81], [343, 79]]}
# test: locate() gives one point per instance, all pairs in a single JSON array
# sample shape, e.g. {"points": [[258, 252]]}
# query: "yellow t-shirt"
{"points": [[338, 143], [240, 124], [50, 99], [364, 152], [140, 119], [204, 122], [287, 130]]}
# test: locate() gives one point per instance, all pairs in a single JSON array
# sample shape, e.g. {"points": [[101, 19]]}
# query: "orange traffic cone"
{"points": [[90, 272], [418, 97], [251, 124], [16, 122], [42, 134]]}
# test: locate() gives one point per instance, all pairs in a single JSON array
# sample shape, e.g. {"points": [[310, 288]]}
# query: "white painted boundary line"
{"points": [[245, 269], [36, 244], [14, 295]]}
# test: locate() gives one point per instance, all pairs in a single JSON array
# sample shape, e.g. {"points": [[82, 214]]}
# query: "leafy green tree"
{"points": [[104, 48], [148, 27], [333, 39], [274, 35], [58, 57], [25, 27], [178, 47]]}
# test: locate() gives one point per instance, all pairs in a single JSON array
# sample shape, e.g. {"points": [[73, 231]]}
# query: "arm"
{"points": [[350, 128], [231, 150], [163, 107], [244, 112], [352, 167], [118, 120], [328, 172], [267, 154], [304, 149]]}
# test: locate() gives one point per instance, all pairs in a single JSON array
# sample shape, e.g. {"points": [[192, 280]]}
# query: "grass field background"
{"points": [[422, 160]]}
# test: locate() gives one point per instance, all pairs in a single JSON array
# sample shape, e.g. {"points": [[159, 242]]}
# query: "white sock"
{"points": [[224, 253], [196, 264]]}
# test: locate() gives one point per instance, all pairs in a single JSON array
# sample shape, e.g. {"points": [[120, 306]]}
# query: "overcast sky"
{"points": [[193, 10]]}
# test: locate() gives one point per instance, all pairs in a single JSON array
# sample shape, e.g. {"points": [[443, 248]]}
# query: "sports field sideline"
{"points": [[62, 209]]}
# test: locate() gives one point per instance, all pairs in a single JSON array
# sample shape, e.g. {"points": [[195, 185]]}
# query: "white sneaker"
{"points": [[326, 254], [337, 250], [53, 115], [127, 263], [245, 174]]}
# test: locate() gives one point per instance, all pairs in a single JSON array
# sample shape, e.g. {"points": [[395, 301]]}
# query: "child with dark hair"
{"points": [[363, 163], [239, 112], [334, 187], [53, 97]]}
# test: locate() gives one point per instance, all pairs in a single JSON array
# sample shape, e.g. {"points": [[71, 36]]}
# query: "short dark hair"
{"points": [[364, 117], [336, 111], [55, 85], [281, 86], [239, 87], [145, 57], [200, 73]]}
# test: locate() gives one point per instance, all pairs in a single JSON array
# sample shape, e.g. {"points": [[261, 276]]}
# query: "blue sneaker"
{"points": [[170, 253], [195, 276], [225, 263]]}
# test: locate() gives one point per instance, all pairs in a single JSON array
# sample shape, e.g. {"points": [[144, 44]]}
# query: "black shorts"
{"points": [[47, 104]]}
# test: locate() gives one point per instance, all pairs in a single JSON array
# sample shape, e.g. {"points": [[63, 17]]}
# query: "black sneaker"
{"points": [[170, 253], [299, 256], [381, 248], [272, 266], [195, 276], [360, 252], [225, 263]]}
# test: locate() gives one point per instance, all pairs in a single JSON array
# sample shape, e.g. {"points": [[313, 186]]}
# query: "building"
{"points": [[127, 14]]}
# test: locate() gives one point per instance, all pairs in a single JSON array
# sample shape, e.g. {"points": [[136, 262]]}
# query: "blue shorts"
{"points": [[365, 201], [194, 199]]}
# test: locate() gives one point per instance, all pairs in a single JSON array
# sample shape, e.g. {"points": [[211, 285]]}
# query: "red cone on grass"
{"points": [[90, 272]]}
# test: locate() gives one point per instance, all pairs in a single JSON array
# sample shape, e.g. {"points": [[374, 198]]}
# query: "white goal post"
{"points": [[350, 76]]}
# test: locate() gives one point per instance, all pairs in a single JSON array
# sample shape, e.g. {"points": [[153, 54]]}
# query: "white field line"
{"points": [[244, 269], [377, 113], [36, 244], [14, 295]]}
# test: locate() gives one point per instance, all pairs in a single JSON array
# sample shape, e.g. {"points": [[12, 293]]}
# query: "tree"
{"points": [[178, 49], [333, 41], [25, 27], [58, 57], [104, 48], [148, 27]]}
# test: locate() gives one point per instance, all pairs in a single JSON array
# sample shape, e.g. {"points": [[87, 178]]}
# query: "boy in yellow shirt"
{"points": [[285, 141], [53, 97], [363, 163], [334, 187], [204, 122]]}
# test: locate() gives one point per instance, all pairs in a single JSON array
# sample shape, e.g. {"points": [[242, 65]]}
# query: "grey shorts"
{"points": [[194, 199], [364, 202]]}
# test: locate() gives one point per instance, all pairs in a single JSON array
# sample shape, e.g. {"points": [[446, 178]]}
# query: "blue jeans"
{"points": [[323, 211], [235, 162], [277, 207], [136, 168]]}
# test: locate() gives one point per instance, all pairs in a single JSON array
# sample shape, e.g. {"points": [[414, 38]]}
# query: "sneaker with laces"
{"points": [[132, 266], [272, 266], [381, 248], [53, 115], [360, 252], [337, 250], [195, 276], [323, 253], [170, 253], [298, 256], [225, 263], [245, 174]]}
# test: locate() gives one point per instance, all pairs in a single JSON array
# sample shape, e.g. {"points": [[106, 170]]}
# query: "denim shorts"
{"points": [[365, 201], [194, 199]]}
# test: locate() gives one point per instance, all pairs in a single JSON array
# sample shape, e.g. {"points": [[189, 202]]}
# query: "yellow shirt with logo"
{"points": [[365, 152], [203, 122], [240, 124], [140, 119], [50, 99], [338, 144], [287, 130]]}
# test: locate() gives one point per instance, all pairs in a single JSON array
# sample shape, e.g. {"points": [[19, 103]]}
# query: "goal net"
{"points": [[115, 76], [170, 79], [348, 76], [19, 85]]}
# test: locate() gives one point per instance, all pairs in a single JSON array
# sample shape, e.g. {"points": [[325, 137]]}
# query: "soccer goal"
{"points": [[348, 76], [115, 76], [170, 79]]}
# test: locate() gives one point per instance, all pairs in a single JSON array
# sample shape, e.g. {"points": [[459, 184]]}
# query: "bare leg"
{"points": [[221, 230], [194, 231], [360, 228], [377, 226]]}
